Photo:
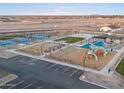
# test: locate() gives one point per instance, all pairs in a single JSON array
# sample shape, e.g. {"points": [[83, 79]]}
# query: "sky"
{"points": [[61, 9]]}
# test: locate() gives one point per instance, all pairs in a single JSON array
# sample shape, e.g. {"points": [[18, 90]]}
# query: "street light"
{"points": [[83, 64]]}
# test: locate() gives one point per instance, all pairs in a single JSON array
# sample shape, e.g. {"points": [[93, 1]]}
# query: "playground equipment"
{"points": [[93, 52], [102, 51], [99, 48], [89, 56], [93, 55]]}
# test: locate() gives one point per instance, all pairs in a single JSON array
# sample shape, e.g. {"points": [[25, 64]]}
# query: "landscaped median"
{"points": [[70, 39], [120, 67]]}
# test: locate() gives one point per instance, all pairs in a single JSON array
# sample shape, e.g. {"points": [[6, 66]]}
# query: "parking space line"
{"points": [[57, 68], [17, 84], [66, 70], [27, 86], [74, 72], [51, 66]]}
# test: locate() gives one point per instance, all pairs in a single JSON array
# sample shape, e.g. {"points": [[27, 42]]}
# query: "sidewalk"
{"points": [[112, 82], [113, 61]]}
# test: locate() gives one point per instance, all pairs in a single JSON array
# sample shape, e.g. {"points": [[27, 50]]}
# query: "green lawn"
{"points": [[120, 67], [70, 39], [9, 37]]}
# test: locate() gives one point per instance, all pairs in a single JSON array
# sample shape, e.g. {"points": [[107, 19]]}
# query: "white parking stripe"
{"points": [[51, 66], [66, 70], [57, 68], [74, 72], [27, 86], [17, 84]]}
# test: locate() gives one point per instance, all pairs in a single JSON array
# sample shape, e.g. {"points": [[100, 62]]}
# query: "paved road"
{"points": [[33, 74]]}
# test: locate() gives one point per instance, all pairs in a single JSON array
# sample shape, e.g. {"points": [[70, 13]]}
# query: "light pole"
{"points": [[83, 64]]}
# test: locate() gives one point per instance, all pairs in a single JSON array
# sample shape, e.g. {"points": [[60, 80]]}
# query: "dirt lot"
{"points": [[59, 23], [40, 49], [74, 56]]}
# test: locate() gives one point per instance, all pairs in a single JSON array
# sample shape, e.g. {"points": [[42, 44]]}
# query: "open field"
{"points": [[120, 67], [70, 39], [35, 50], [74, 56]]}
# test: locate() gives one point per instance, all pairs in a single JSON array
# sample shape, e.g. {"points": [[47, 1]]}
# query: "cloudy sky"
{"points": [[62, 9]]}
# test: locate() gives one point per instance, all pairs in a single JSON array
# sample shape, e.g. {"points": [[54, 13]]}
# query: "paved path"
{"points": [[113, 61], [110, 82]]}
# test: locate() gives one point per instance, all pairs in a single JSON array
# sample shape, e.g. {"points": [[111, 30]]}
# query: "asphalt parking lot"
{"points": [[35, 74]]}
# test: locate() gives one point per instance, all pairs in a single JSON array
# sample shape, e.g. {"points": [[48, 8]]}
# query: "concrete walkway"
{"points": [[112, 82], [113, 62]]}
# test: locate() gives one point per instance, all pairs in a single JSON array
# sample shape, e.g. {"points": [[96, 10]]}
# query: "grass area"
{"points": [[120, 67], [70, 39], [6, 37], [3, 74]]}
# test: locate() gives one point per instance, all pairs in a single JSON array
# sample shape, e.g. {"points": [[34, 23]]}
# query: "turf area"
{"points": [[70, 39], [6, 37], [120, 67]]}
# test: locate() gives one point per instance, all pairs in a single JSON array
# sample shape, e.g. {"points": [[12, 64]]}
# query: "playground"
{"points": [[92, 55]]}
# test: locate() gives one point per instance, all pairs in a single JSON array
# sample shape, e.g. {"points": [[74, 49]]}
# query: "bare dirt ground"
{"points": [[36, 49], [40, 49], [59, 23], [74, 56]]}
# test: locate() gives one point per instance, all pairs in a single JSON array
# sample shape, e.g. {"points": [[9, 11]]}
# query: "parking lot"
{"points": [[35, 74], [65, 70], [33, 84]]}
